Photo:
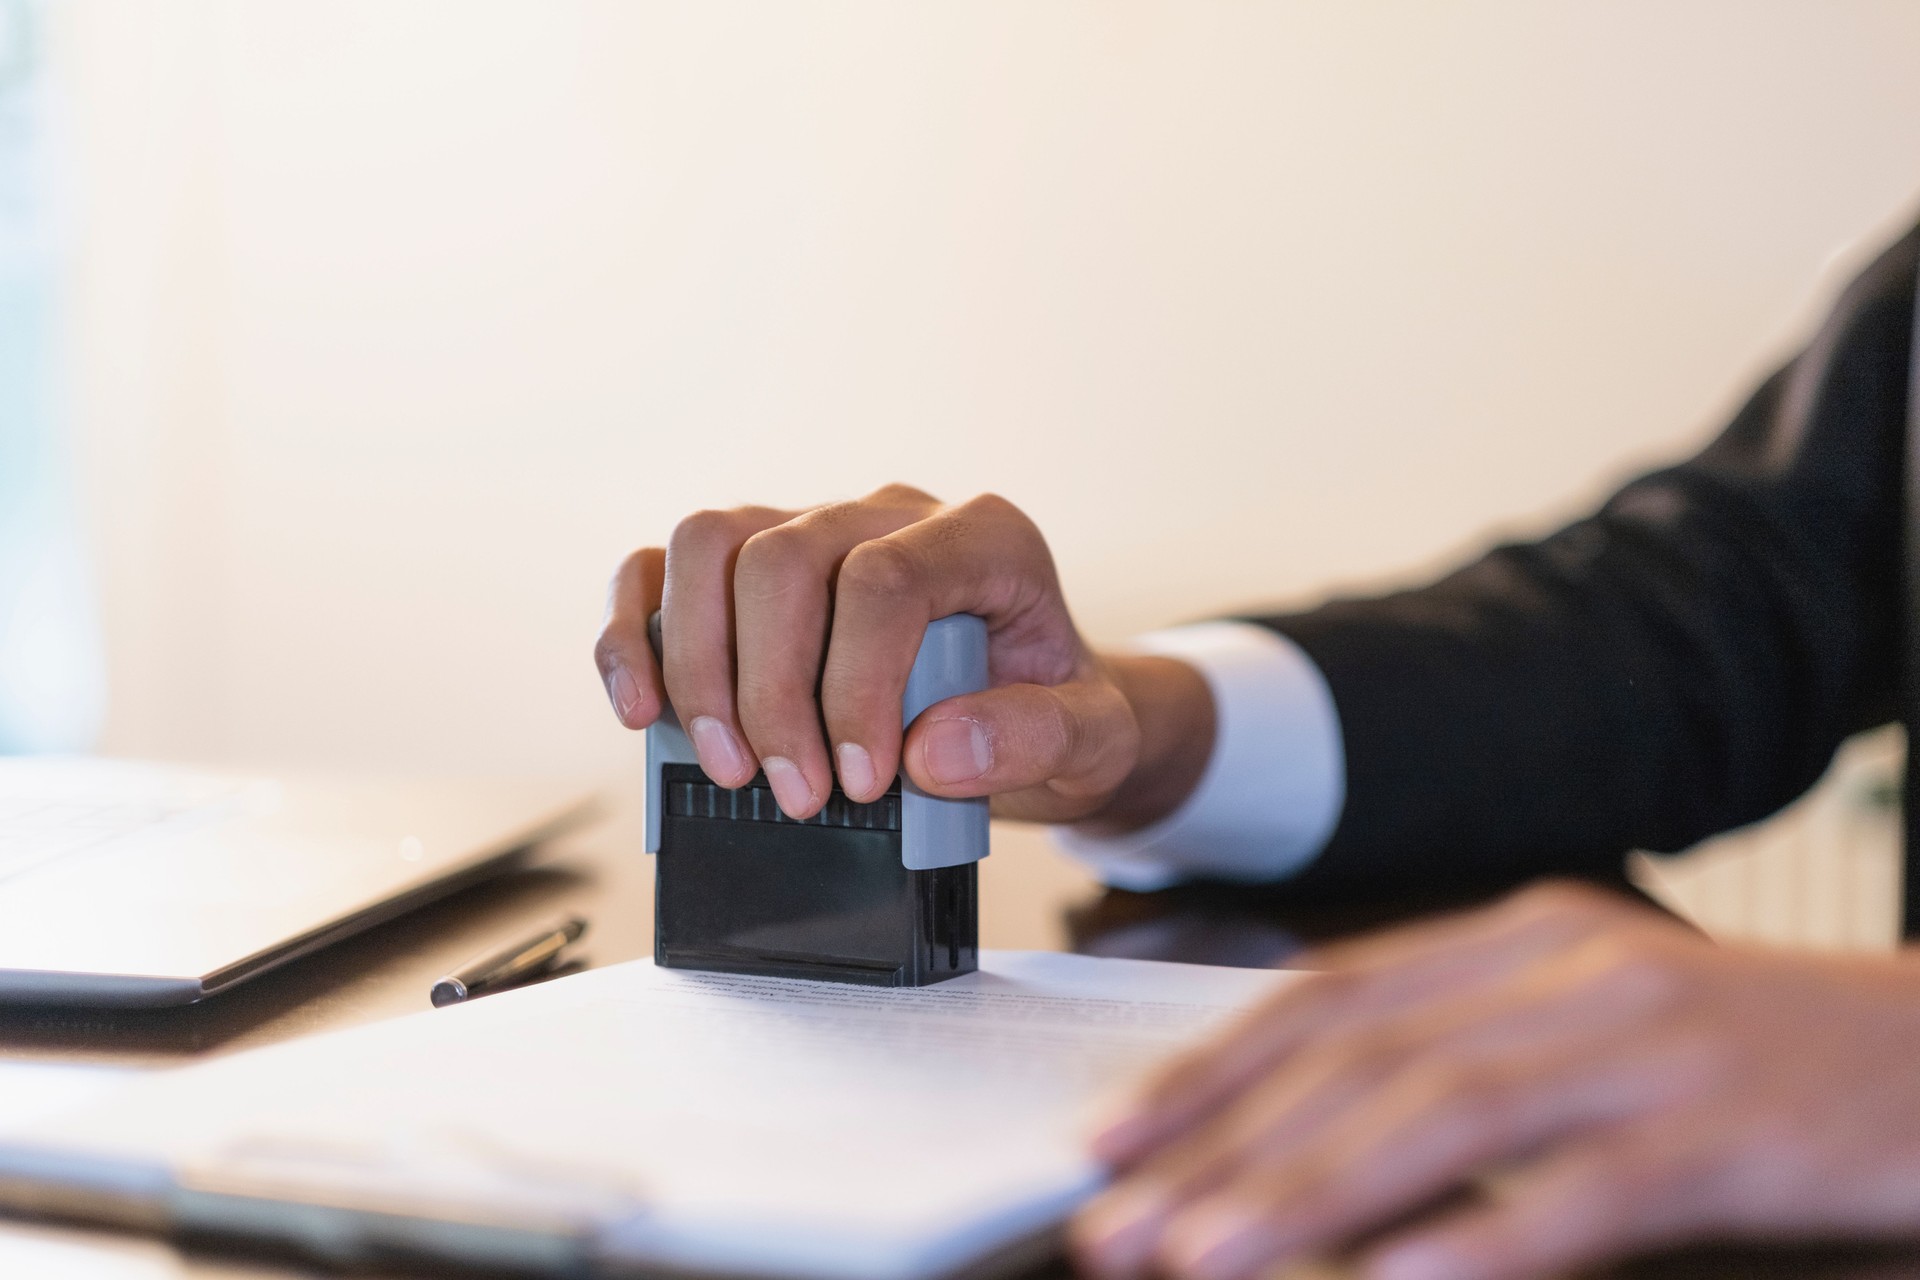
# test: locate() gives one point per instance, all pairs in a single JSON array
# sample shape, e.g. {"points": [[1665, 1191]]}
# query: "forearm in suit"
{"points": [[1682, 662]]}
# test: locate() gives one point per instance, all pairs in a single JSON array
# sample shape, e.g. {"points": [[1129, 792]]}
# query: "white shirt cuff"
{"points": [[1273, 787]]}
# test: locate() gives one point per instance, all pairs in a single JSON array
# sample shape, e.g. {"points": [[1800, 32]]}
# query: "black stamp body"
{"points": [[882, 894]]}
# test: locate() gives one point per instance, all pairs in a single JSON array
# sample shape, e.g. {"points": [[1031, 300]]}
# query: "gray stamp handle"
{"points": [[934, 832]]}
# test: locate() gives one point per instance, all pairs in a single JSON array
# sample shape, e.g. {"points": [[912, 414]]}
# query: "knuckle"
{"points": [[827, 517], [1109, 734], [630, 576], [881, 570], [896, 494], [850, 699], [704, 531], [753, 697], [993, 506], [625, 572], [696, 685], [1565, 898], [699, 678], [1659, 973], [768, 696], [1065, 733], [990, 509], [775, 695], [634, 563], [777, 555], [766, 733], [1555, 895]]}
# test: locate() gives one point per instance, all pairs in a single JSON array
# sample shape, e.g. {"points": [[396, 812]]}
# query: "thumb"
{"points": [[1077, 739]]}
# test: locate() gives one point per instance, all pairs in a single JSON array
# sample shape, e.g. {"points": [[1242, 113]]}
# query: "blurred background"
{"points": [[369, 336]]}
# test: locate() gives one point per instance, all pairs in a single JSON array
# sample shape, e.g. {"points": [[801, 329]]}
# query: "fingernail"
{"points": [[790, 786], [956, 750], [721, 754], [856, 770], [625, 691]]}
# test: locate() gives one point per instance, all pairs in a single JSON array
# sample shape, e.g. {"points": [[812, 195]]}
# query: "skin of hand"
{"points": [[1609, 1081], [788, 636]]}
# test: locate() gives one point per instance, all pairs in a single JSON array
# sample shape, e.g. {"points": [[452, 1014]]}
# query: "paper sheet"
{"points": [[34, 1092], [49, 1253], [712, 1121]]}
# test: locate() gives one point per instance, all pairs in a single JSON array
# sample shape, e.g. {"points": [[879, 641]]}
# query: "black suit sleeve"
{"points": [[1682, 662]]}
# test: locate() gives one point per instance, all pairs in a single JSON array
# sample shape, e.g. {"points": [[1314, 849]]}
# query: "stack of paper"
{"points": [[633, 1114]]}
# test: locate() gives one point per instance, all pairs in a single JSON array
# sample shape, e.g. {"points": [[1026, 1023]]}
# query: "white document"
{"points": [[702, 1121], [60, 1253], [32, 1093]]}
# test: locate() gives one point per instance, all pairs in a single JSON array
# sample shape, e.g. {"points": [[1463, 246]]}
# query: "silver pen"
{"points": [[506, 966]]}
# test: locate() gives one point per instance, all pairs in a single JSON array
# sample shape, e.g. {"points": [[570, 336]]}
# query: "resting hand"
{"points": [[1633, 1085], [788, 636]]}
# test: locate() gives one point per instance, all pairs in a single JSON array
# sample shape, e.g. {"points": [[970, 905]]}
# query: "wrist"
{"points": [[1172, 705]]}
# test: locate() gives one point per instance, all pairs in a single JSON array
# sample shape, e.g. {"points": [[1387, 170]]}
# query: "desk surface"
{"points": [[1030, 899], [600, 873]]}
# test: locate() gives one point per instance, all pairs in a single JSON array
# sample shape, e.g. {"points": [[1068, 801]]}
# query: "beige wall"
{"points": [[394, 325]]}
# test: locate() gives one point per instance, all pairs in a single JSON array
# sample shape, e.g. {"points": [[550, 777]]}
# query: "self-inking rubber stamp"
{"points": [[882, 893]]}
